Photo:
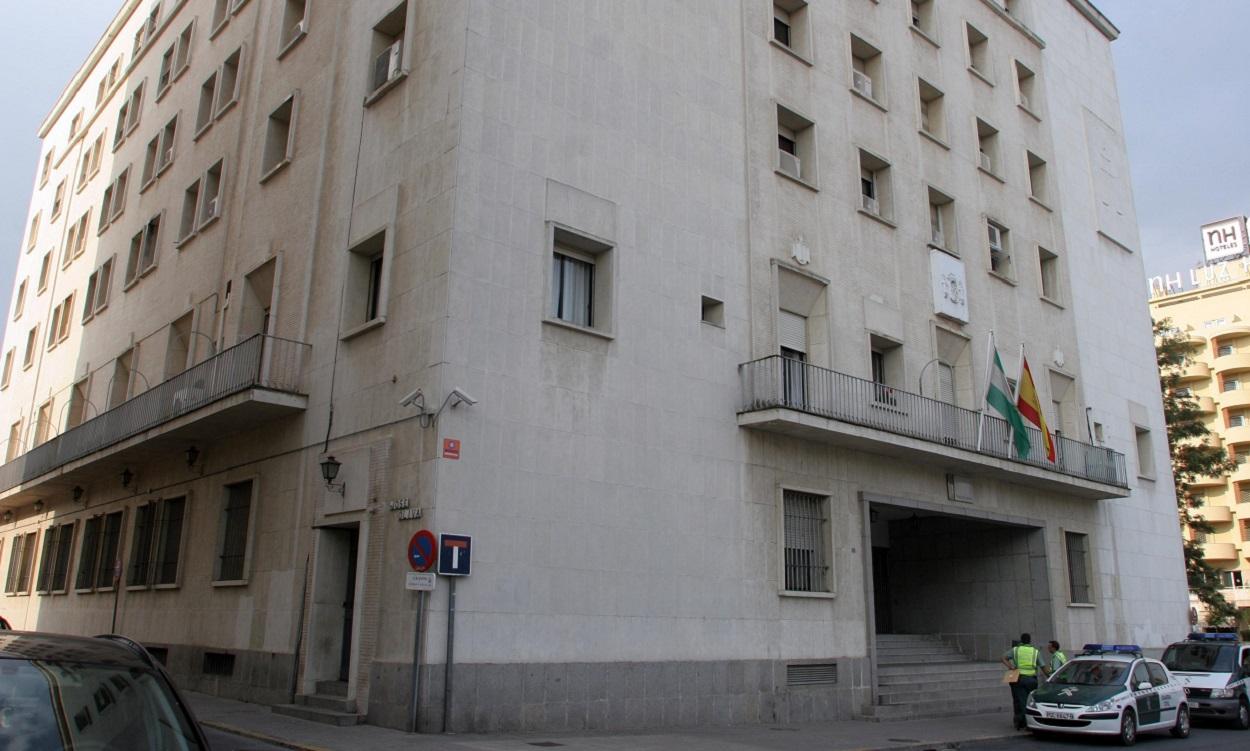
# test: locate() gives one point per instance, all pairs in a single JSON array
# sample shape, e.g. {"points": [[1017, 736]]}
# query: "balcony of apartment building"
{"points": [[1237, 596], [257, 380], [1231, 363], [1219, 551], [1234, 396], [1215, 513], [794, 398], [1206, 404], [1195, 371]]}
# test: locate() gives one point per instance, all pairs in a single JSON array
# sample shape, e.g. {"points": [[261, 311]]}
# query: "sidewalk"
{"points": [[256, 721]]}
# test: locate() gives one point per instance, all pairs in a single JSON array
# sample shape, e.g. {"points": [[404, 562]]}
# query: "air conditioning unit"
{"points": [[870, 204], [790, 164], [987, 164], [862, 83], [386, 65]]}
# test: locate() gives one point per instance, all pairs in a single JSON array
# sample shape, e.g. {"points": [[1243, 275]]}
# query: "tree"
{"points": [[1193, 456]]}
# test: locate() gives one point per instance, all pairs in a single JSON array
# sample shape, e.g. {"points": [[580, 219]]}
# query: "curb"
{"points": [[272, 740], [942, 745]]}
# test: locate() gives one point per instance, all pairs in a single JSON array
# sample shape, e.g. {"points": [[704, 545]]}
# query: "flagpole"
{"points": [[989, 363], [1015, 398]]}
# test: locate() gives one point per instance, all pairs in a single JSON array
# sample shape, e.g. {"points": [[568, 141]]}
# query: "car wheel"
{"points": [[1243, 714], [1128, 728], [1181, 728]]}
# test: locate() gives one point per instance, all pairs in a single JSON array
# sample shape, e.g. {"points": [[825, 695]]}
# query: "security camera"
{"points": [[411, 398], [458, 396]]}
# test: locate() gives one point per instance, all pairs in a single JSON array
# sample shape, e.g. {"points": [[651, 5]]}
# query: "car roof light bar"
{"points": [[1126, 649], [1197, 636]]}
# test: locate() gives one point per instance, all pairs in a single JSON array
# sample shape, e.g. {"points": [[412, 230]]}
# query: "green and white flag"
{"points": [[998, 396]]}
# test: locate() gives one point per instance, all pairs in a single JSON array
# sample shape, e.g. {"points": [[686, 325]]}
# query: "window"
{"points": [[77, 411], [97, 296], [32, 339], [294, 24], [886, 358], [101, 544], [796, 143], [792, 346], [1229, 384], [229, 83], [32, 235], [119, 384], [160, 152], [580, 283], [1025, 79], [43, 423], [922, 17], [19, 303], [1037, 177], [279, 139], [1000, 250], [790, 27], [367, 284], [806, 527], [236, 514], [221, 15], [21, 563], [182, 58], [177, 58], [75, 125], [210, 195], [58, 329], [874, 186], [987, 147], [1145, 453], [932, 106], [1245, 529], [387, 51], [147, 32], [156, 543], [1048, 266], [190, 205], [76, 239], [8, 368], [978, 52], [114, 201], [45, 271], [1223, 350], [142, 258], [713, 311], [15, 441], [867, 71], [1078, 567], [58, 543], [58, 199], [46, 170], [208, 95], [941, 220], [1236, 419]]}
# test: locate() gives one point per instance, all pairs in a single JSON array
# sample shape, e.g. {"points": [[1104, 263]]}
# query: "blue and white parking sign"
{"points": [[454, 554]]}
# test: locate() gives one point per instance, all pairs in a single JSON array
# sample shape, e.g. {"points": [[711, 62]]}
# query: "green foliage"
{"points": [[1192, 457]]}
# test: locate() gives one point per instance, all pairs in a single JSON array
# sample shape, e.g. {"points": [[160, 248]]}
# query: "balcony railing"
{"points": [[777, 382], [265, 362]]}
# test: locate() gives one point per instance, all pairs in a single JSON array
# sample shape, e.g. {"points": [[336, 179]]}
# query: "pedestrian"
{"points": [[1027, 659], [1054, 658]]}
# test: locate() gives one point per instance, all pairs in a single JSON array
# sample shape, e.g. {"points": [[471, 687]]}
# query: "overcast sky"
{"points": [[1183, 68]]}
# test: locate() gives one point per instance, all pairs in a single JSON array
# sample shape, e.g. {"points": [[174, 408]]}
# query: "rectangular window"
{"points": [[236, 514], [796, 139], [294, 24], [97, 295], [210, 195], [32, 343], [1236, 419], [387, 50], [190, 205], [143, 246], [1048, 267], [367, 288], [1228, 384], [932, 106], [874, 185], [1223, 350], [1037, 177], [32, 235], [1000, 250], [58, 199], [21, 563], [229, 82], [279, 138], [77, 411], [1078, 567], [1145, 453], [46, 170], [922, 16], [168, 136], [58, 544], [987, 147], [791, 28], [1025, 79], [14, 445], [157, 543], [867, 70], [572, 289], [204, 113], [101, 543], [941, 220], [978, 52], [43, 422], [19, 302], [8, 368], [166, 76], [806, 529], [45, 271], [221, 14]]}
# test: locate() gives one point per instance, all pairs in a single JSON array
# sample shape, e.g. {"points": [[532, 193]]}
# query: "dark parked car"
{"points": [[89, 694], [4, 625]]}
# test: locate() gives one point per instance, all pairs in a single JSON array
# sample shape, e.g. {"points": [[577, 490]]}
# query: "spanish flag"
{"points": [[1031, 407]]}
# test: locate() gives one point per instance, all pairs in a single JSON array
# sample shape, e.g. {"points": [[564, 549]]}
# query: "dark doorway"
{"points": [[349, 605], [881, 586]]}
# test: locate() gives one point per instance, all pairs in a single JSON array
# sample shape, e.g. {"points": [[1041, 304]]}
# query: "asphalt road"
{"points": [[1203, 737], [221, 741]]}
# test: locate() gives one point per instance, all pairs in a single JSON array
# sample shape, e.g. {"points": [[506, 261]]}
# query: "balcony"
{"points": [[1195, 371], [1238, 596], [801, 400], [1228, 331], [256, 380], [1206, 405], [1214, 513], [1237, 434], [1234, 363], [1210, 481], [1219, 551]]}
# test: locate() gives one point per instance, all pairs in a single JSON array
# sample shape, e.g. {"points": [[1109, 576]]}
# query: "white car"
{"points": [[1109, 690], [1215, 671]]}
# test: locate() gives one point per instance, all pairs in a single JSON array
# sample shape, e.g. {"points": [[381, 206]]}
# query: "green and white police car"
{"points": [[1109, 690], [1215, 671]]}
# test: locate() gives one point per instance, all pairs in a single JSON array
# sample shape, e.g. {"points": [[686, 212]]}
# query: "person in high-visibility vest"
{"points": [[1028, 660], [1054, 658]]}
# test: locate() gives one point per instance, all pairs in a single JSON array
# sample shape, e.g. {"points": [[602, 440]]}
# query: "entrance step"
{"points": [[919, 676], [332, 688], [327, 716], [333, 703]]}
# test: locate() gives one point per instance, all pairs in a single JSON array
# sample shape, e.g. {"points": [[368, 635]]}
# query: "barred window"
{"points": [[235, 516], [157, 543], [1078, 567], [21, 562], [100, 538], [806, 530], [58, 543]]}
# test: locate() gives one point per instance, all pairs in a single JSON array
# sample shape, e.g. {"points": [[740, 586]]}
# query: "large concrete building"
{"points": [[1210, 306], [717, 280]]}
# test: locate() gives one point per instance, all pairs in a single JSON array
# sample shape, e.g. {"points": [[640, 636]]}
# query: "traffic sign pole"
{"points": [[414, 703], [451, 641]]}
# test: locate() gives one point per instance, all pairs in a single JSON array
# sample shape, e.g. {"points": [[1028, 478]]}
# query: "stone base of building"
{"points": [[613, 696], [245, 675]]}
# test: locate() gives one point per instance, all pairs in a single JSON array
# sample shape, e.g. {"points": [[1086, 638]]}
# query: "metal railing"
{"points": [[773, 382], [258, 362]]}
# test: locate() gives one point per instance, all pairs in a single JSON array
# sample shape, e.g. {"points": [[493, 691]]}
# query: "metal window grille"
{"points": [[805, 566], [27, 566], [141, 548], [64, 550], [218, 663], [1078, 567], [170, 525], [90, 550], [1245, 530], [44, 579], [234, 531], [15, 559], [110, 549]]}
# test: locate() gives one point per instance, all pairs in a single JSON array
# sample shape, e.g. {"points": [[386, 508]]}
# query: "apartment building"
{"points": [[1211, 308], [684, 320]]}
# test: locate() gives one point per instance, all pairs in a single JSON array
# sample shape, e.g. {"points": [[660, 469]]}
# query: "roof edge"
{"points": [[80, 77], [1094, 16]]}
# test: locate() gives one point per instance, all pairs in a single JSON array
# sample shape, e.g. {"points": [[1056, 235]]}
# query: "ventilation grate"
{"points": [[160, 654], [218, 663], [808, 674]]}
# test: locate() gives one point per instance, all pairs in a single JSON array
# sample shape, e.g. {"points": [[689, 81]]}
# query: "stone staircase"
{"points": [[328, 705], [920, 676]]}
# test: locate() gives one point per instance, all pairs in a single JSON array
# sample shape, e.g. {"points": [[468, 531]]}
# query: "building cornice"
{"points": [[1095, 17], [80, 77]]}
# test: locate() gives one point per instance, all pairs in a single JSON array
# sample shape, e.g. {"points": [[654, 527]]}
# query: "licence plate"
{"points": [[1060, 715]]}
